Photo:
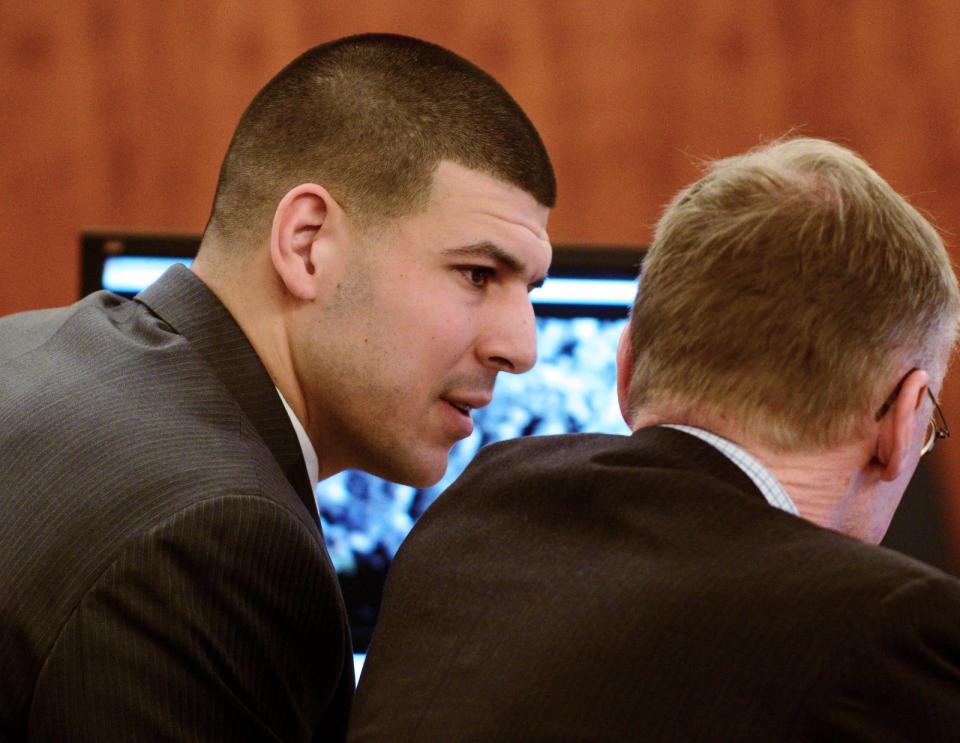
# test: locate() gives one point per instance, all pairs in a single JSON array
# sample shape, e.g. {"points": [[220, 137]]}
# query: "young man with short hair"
{"points": [[379, 220]]}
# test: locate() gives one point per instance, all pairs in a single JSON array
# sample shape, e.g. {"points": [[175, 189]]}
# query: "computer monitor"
{"points": [[580, 311]]}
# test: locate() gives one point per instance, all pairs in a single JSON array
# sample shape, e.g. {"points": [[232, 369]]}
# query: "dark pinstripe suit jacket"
{"points": [[640, 588], [162, 570]]}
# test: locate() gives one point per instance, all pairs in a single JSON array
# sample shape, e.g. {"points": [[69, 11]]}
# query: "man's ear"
{"points": [[896, 431], [305, 217], [624, 375]]}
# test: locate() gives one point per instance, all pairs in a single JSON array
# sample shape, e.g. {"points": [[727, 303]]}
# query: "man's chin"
{"points": [[423, 473], [425, 480]]}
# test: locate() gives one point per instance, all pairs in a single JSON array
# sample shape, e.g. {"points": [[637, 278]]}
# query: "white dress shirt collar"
{"points": [[766, 483], [309, 453]]}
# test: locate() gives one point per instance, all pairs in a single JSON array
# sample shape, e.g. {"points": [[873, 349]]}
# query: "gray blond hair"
{"points": [[783, 289]]}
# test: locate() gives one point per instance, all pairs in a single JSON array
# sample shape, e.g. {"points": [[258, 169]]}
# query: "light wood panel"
{"points": [[116, 113]]}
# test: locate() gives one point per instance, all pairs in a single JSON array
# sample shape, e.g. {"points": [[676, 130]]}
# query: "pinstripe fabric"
{"points": [[162, 571], [205, 323], [640, 588]]}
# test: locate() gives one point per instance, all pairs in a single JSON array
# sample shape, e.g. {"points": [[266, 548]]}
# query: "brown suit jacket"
{"points": [[614, 588]]}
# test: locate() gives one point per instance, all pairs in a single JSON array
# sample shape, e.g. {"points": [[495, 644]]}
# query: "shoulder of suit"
{"points": [[555, 448]]}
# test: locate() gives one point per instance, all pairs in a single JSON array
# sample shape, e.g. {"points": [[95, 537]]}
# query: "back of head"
{"points": [[369, 118], [782, 291]]}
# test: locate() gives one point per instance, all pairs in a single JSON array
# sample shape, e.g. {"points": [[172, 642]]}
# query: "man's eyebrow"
{"points": [[490, 250]]}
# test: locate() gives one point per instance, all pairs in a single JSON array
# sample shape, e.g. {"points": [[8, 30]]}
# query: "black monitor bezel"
{"points": [[96, 246]]}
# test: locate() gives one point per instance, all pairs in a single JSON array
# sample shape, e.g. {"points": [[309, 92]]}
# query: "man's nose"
{"points": [[509, 341]]}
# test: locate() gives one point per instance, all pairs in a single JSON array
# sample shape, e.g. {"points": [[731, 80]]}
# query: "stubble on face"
{"points": [[361, 362], [391, 360]]}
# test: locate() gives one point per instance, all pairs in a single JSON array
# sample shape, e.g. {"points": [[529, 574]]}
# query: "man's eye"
{"points": [[478, 275]]}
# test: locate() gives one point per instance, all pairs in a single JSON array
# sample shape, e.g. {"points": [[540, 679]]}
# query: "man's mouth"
{"points": [[467, 402], [459, 423]]}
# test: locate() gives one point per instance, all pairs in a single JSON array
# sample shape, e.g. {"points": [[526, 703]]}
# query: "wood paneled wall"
{"points": [[117, 114]]}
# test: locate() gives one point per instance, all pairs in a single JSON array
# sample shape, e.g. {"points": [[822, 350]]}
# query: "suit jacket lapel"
{"points": [[183, 301]]}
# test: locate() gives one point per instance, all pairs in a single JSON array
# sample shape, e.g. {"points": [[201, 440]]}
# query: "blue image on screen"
{"points": [[572, 388]]}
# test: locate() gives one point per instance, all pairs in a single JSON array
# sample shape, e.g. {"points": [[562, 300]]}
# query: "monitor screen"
{"points": [[581, 310]]}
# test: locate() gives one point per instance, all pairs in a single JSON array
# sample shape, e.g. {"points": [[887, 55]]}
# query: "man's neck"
{"points": [[820, 483], [246, 288], [826, 486]]}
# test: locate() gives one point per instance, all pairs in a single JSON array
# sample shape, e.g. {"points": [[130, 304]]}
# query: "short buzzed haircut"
{"points": [[370, 117], [783, 289]]}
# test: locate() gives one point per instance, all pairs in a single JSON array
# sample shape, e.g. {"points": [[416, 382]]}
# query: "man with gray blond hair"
{"points": [[713, 576]]}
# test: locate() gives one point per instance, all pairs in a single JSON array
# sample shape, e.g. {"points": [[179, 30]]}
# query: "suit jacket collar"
{"points": [[183, 301], [675, 449]]}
